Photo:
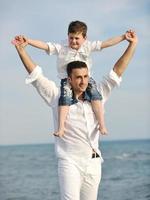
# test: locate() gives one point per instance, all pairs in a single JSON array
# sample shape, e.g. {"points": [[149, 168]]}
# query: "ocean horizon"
{"points": [[29, 171]]}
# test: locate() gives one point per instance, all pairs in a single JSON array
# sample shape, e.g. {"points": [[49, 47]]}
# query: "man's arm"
{"points": [[124, 60], [25, 58], [114, 78], [46, 88]]}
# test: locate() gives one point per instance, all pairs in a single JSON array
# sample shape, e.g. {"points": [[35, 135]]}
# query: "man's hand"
{"points": [[121, 65], [130, 36], [20, 40]]}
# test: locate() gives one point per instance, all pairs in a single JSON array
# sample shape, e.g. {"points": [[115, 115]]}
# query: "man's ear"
{"points": [[69, 79]]}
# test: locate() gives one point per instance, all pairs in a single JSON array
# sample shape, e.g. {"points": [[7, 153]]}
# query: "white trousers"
{"points": [[79, 180]]}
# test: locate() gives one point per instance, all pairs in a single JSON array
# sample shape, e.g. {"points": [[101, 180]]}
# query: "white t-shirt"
{"points": [[81, 133], [65, 55]]}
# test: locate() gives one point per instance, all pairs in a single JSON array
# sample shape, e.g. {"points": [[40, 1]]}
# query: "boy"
{"points": [[77, 48]]}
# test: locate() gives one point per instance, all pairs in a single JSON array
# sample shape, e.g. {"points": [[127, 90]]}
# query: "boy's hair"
{"points": [[75, 65], [77, 27]]}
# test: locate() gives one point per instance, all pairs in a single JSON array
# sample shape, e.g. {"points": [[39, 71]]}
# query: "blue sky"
{"points": [[24, 117]]}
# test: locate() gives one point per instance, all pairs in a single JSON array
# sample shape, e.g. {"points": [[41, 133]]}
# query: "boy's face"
{"points": [[75, 40]]}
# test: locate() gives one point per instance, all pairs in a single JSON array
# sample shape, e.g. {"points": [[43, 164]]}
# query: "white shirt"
{"points": [[81, 133], [65, 55]]}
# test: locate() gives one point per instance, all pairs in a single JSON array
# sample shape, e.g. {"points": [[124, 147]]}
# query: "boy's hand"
{"points": [[20, 40], [131, 36]]}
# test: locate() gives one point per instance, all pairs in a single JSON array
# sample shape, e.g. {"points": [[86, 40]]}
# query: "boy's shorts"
{"points": [[67, 96]]}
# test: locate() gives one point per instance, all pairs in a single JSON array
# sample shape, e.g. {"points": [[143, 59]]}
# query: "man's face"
{"points": [[75, 40], [79, 80]]}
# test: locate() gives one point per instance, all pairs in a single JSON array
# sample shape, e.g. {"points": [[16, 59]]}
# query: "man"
{"points": [[79, 157]]}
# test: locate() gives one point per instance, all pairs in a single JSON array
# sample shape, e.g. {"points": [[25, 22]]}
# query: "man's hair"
{"points": [[78, 27], [75, 65]]}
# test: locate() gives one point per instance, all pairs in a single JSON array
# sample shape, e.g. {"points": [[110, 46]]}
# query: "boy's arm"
{"points": [[112, 41], [38, 44], [21, 39]]}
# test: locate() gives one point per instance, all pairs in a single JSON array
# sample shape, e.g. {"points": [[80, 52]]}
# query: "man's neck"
{"points": [[79, 96]]}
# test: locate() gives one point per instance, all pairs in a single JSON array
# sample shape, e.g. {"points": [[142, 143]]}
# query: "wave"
{"points": [[133, 156]]}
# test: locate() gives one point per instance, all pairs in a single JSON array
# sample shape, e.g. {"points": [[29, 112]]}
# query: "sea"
{"points": [[29, 172]]}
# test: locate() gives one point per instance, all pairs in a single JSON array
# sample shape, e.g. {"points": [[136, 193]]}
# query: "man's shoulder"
{"points": [[47, 89]]}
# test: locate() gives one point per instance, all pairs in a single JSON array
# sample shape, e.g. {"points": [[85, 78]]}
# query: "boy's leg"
{"points": [[62, 114], [64, 103], [99, 113], [97, 106]]}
